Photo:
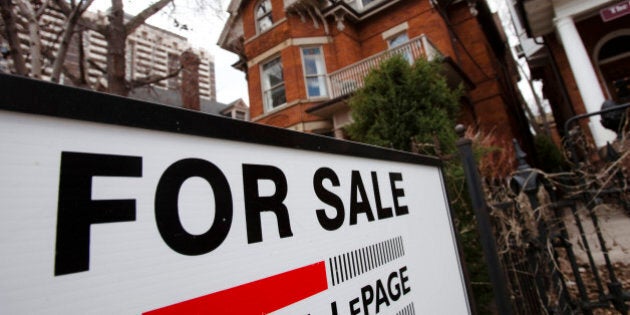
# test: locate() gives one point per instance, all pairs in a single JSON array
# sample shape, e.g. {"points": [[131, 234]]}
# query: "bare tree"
{"points": [[115, 31], [11, 33], [71, 23], [31, 13]]}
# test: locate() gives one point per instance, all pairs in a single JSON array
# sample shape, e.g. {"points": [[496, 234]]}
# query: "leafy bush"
{"points": [[401, 104], [411, 108]]}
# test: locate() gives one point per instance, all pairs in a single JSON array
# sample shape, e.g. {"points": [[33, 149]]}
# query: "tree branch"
{"points": [[42, 9], [68, 32], [96, 66], [28, 12], [139, 19], [154, 78], [11, 32], [67, 9]]}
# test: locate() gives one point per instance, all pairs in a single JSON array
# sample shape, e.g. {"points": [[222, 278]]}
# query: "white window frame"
{"points": [[267, 88], [390, 39], [237, 112], [407, 55], [361, 6], [322, 77], [268, 15]]}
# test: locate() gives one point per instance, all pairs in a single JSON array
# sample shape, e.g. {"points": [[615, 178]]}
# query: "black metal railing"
{"points": [[550, 251]]}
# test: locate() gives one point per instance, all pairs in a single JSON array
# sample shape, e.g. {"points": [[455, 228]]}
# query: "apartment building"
{"points": [[151, 51], [304, 58], [582, 55]]}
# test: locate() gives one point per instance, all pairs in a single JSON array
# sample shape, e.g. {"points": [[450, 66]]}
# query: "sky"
{"points": [[500, 6], [205, 26]]}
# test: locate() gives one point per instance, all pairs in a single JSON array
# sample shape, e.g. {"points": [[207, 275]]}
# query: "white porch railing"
{"points": [[348, 79]]}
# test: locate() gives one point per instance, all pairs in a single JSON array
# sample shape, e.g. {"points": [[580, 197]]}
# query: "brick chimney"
{"points": [[190, 79]]}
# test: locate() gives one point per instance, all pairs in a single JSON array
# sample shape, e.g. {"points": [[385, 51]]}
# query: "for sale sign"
{"points": [[114, 206]]}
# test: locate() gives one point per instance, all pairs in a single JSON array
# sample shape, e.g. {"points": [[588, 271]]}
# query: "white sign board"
{"points": [[153, 211]]}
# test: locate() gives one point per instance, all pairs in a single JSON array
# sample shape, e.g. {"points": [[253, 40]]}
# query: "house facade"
{"points": [[304, 58], [237, 110], [582, 55]]}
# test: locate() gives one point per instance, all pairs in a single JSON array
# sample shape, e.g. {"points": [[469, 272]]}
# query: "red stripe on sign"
{"points": [[259, 297]]}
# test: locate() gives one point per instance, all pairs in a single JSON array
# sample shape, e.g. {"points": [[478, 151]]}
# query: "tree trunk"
{"points": [[68, 32], [149, 11], [35, 40], [116, 36], [10, 21]]}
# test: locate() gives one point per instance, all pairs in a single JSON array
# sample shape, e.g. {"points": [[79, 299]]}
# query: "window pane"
{"points": [[313, 61], [316, 86], [273, 84], [398, 40], [264, 23], [278, 96], [310, 66], [273, 73], [263, 15], [311, 51], [322, 85], [313, 85], [275, 77], [263, 8]]}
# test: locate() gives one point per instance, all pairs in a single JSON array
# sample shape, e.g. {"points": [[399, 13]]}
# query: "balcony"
{"points": [[348, 79]]}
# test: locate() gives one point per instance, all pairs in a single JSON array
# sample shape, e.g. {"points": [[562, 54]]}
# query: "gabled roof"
{"points": [[237, 104], [230, 28], [173, 98]]}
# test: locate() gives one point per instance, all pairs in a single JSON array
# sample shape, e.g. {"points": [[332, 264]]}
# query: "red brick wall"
{"points": [[345, 48], [292, 64], [255, 92], [360, 40], [493, 104]]}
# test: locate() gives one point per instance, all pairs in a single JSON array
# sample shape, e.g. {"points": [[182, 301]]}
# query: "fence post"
{"points": [[475, 190]]}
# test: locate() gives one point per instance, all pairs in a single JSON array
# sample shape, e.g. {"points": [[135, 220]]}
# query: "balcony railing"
{"points": [[348, 79]]}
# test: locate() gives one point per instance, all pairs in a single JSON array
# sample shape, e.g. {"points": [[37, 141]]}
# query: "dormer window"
{"points": [[263, 16]]}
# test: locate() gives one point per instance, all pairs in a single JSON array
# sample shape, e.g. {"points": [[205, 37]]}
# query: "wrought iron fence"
{"points": [[552, 242]]}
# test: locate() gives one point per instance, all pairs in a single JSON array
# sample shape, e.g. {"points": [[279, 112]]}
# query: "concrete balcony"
{"points": [[348, 79]]}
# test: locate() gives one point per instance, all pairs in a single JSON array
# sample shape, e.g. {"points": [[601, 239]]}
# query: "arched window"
{"points": [[614, 66], [263, 16]]}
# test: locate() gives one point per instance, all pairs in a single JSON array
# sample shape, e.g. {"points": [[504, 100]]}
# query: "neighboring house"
{"points": [[583, 56], [304, 58], [237, 110], [151, 51]]}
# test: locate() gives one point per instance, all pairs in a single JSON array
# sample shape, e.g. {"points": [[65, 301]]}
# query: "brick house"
{"points": [[304, 58], [581, 53]]}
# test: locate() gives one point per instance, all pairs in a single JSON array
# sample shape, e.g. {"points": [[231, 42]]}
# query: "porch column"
{"points": [[585, 77]]}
